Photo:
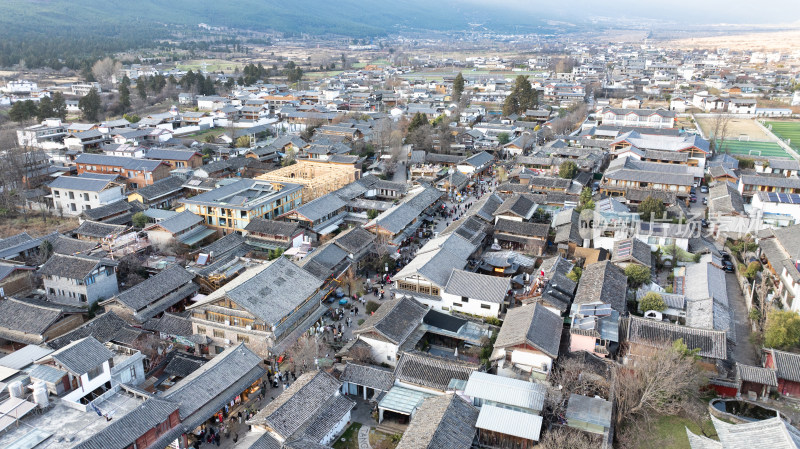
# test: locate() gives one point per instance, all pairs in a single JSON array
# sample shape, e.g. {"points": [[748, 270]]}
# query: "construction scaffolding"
{"points": [[318, 178]]}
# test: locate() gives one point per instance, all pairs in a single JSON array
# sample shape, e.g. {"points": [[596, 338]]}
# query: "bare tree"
{"points": [[565, 437], [721, 122], [104, 69], [304, 353], [658, 384], [360, 354]]}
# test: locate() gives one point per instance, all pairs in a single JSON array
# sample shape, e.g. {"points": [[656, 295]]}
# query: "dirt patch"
{"points": [[35, 226], [736, 127]]}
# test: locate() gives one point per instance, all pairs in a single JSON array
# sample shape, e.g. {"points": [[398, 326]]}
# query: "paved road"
{"points": [[743, 351]]}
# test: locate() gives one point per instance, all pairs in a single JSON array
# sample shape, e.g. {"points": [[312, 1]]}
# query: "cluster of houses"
{"points": [[500, 267]]}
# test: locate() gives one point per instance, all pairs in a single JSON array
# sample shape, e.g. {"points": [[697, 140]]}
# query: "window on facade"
{"points": [[485, 306], [457, 304], [94, 372], [83, 298], [201, 330], [219, 334], [464, 299], [242, 338], [132, 372]]}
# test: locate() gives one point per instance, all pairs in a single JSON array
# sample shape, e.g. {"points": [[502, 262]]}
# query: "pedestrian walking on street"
{"points": [[235, 437]]}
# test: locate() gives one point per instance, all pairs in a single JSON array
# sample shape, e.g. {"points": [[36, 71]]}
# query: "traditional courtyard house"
{"points": [[602, 283], [528, 238], [168, 290], [162, 194], [79, 280], [646, 335], [237, 372], [631, 251], [388, 328], [265, 307], [23, 323], [312, 412], [780, 248], [475, 293], [366, 381], [786, 369], [755, 382], [184, 228], [15, 278], [442, 421], [319, 217], [528, 340], [271, 234]]}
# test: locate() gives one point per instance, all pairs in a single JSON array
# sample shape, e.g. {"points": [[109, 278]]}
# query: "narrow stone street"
{"points": [[743, 351]]}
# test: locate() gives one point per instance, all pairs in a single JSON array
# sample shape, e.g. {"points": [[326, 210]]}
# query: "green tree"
{"points": [[45, 109], [638, 275], [59, 105], [503, 138], [753, 268], [522, 97], [418, 120], [652, 301], [372, 213], [651, 208], [90, 105], [22, 111], [585, 200], [243, 142], [680, 347], [575, 274], [139, 220], [568, 169], [458, 87], [141, 88], [782, 330], [132, 118], [124, 97]]}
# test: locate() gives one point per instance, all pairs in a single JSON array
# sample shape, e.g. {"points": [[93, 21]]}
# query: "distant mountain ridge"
{"points": [[357, 18]]}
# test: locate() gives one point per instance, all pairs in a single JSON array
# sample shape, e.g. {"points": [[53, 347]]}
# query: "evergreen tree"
{"points": [[45, 109], [418, 120], [141, 88], [59, 106], [458, 87], [23, 110], [522, 97], [124, 96], [90, 105]]}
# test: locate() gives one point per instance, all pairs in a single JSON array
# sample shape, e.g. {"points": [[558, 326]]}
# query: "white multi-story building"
{"points": [[75, 194]]}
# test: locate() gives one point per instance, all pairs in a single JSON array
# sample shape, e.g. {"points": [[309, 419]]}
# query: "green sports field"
{"points": [[753, 148], [787, 130]]}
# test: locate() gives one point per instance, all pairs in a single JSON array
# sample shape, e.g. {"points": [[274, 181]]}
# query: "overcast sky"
{"points": [[692, 11]]}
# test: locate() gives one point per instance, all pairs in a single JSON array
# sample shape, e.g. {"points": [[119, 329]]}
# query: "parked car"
{"points": [[704, 222], [703, 189], [727, 265], [692, 199], [705, 200]]}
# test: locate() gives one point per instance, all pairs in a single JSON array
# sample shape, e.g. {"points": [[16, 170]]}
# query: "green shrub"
{"points": [[653, 301], [372, 306]]}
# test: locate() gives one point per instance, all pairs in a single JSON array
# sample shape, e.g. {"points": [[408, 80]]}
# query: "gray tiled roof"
{"points": [[213, 378], [271, 291], [519, 205], [770, 180], [533, 324], [723, 198], [787, 364], [756, 374], [18, 318], [272, 227], [603, 282], [150, 290], [170, 324], [524, 229], [180, 222], [80, 183], [441, 422], [128, 163], [355, 240], [182, 365], [107, 210], [428, 371], [774, 433], [46, 373], [98, 230], [632, 250], [322, 206], [303, 401], [102, 328], [367, 375], [160, 188], [124, 431], [72, 267], [170, 154], [395, 320], [478, 286], [83, 355], [660, 334]]}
